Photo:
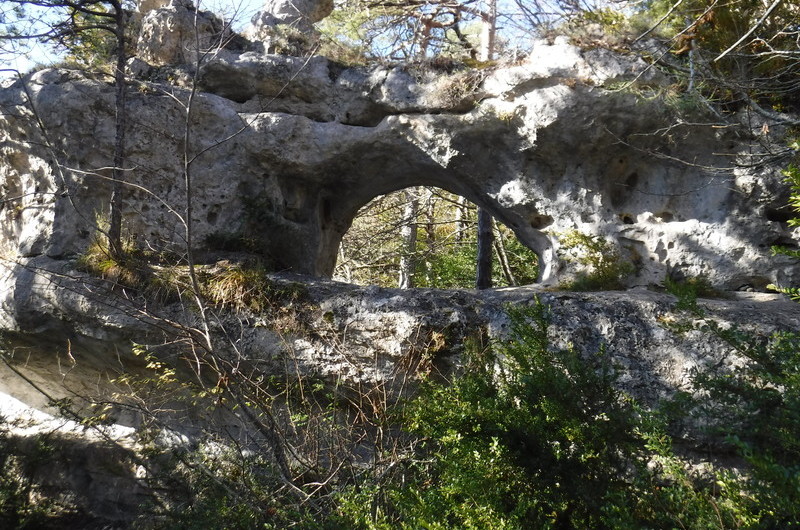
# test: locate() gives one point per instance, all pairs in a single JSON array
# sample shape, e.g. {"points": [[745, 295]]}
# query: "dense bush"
{"points": [[536, 437], [528, 436]]}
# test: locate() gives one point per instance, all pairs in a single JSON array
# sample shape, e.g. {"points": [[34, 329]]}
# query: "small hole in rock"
{"points": [[779, 215], [785, 242], [541, 221], [665, 217]]}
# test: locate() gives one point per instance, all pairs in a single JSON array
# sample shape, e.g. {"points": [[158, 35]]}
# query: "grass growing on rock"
{"points": [[247, 286], [127, 270]]}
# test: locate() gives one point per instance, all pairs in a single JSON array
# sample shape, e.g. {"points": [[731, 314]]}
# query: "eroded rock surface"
{"points": [[298, 13], [175, 32], [286, 150], [59, 316]]}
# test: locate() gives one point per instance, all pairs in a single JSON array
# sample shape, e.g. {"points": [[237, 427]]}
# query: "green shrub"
{"points": [[214, 487], [689, 289], [22, 502], [534, 437], [756, 409], [792, 177], [127, 270], [450, 269], [454, 266], [604, 267]]}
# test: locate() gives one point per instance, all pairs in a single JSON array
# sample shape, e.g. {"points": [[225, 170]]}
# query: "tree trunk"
{"points": [[488, 30], [502, 255], [118, 175], [408, 233], [430, 232], [483, 275], [462, 218]]}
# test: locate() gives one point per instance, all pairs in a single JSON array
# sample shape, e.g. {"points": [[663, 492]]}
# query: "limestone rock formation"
{"points": [[287, 26], [174, 32], [286, 150], [300, 13], [356, 335], [281, 152]]}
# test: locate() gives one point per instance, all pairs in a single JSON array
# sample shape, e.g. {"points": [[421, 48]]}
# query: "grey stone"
{"points": [[299, 13], [176, 33], [555, 144], [68, 329]]}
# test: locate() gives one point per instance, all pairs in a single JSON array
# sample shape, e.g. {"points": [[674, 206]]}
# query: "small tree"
{"points": [[70, 24], [742, 51]]}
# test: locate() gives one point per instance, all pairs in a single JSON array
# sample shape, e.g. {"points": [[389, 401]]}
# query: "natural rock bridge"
{"points": [[286, 150]]}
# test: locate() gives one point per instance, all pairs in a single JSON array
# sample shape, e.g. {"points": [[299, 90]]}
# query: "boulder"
{"points": [[174, 32], [300, 14]]}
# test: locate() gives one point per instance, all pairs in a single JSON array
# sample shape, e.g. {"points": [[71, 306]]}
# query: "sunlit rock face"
{"points": [[175, 32], [280, 152], [298, 13], [285, 150], [287, 26]]}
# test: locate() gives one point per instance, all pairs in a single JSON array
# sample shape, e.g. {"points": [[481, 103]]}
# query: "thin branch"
{"points": [[659, 22], [750, 32]]}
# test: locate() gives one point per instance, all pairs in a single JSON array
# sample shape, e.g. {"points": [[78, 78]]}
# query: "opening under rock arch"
{"points": [[426, 237]]}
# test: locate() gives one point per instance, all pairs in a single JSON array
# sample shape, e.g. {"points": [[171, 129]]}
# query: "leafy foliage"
{"points": [[534, 437], [687, 291], [405, 30], [215, 487], [792, 176], [529, 436], [741, 51], [446, 245], [95, 46], [605, 268], [22, 504], [757, 409], [83, 32]]}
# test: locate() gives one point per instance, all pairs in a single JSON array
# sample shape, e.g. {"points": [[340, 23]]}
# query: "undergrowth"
{"points": [[127, 270], [536, 437], [239, 286], [603, 268], [528, 436]]}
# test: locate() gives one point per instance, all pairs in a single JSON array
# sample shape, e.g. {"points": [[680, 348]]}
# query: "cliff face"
{"points": [[283, 151]]}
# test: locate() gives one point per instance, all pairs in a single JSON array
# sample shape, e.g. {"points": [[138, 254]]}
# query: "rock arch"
{"points": [[338, 210], [287, 150]]}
